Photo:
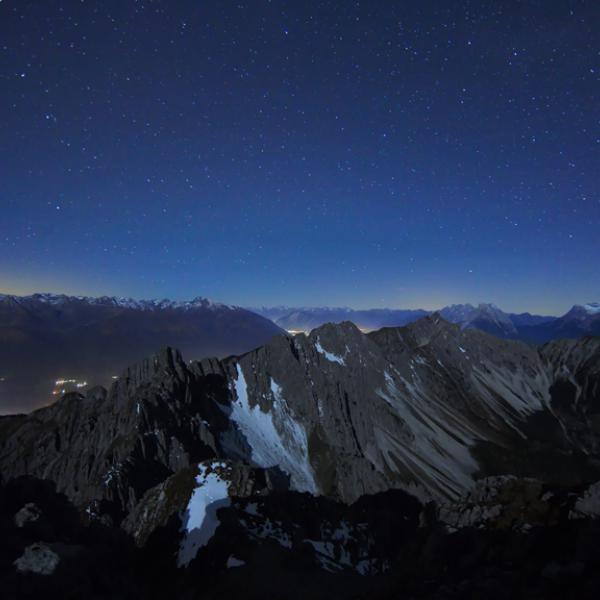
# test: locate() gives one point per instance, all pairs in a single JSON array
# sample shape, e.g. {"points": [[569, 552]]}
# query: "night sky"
{"points": [[365, 154]]}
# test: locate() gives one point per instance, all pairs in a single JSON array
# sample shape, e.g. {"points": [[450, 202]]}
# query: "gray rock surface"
{"points": [[38, 559], [499, 503], [28, 514], [429, 408], [172, 496], [588, 504]]}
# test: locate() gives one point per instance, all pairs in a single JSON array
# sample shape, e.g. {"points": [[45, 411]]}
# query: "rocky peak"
{"points": [[581, 312], [166, 366], [592, 308], [419, 333], [423, 408], [337, 342]]}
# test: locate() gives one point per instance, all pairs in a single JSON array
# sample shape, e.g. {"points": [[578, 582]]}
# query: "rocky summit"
{"points": [[352, 456]]}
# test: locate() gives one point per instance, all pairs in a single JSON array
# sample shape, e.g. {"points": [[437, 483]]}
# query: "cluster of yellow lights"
{"points": [[60, 383]]}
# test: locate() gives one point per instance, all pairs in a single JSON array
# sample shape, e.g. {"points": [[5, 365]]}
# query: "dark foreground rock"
{"points": [[291, 546]]}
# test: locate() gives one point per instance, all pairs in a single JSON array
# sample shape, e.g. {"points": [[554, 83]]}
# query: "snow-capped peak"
{"points": [[122, 302], [592, 308], [582, 312]]}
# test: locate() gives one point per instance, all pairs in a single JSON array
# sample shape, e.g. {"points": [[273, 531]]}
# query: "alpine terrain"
{"points": [[427, 458], [54, 343], [580, 320]]}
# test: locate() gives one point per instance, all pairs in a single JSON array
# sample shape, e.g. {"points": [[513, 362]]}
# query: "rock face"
{"points": [[429, 408], [181, 494], [223, 508], [587, 504], [501, 502], [38, 559], [110, 448], [28, 514]]}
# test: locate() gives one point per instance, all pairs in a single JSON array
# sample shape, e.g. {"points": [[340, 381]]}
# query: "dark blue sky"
{"points": [[359, 153]]}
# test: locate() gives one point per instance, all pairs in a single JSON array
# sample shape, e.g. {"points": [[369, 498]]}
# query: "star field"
{"points": [[366, 154]]}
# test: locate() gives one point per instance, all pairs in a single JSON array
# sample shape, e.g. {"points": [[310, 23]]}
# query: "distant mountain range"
{"points": [[580, 320], [82, 340], [53, 344], [305, 319]]}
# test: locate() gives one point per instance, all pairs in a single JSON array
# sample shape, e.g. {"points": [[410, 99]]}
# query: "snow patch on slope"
{"points": [[275, 437], [201, 519], [233, 562], [329, 355], [593, 308], [588, 504]]}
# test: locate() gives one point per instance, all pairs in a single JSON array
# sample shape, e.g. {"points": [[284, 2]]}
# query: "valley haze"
{"points": [[85, 341]]}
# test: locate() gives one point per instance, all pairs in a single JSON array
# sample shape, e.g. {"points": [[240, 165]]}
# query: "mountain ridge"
{"points": [[83, 341], [336, 450], [120, 301], [537, 329], [252, 405], [86, 341]]}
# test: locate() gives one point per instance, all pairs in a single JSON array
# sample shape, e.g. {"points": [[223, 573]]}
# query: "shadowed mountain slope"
{"points": [[47, 337]]}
